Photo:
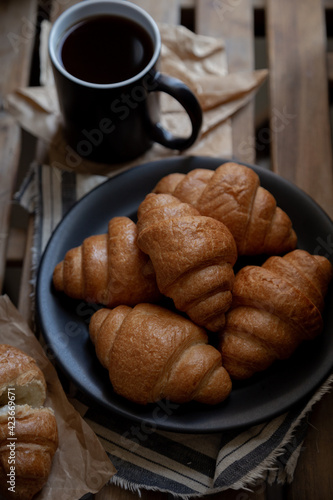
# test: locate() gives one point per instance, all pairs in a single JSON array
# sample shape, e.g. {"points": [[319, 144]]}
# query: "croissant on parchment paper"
{"points": [[274, 308], [152, 353], [233, 195], [34, 447], [193, 257], [21, 373], [28, 430], [108, 269]]}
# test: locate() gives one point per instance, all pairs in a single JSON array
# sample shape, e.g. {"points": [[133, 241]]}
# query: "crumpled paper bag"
{"points": [[197, 60], [80, 464]]}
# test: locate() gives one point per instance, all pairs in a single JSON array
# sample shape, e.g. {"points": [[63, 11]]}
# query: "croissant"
{"points": [[28, 431], [152, 353], [232, 194], [26, 457], [21, 373], [108, 268], [193, 257], [274, 308]]}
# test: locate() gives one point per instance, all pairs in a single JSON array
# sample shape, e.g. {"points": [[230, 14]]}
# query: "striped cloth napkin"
{"points": [[184, 465]]}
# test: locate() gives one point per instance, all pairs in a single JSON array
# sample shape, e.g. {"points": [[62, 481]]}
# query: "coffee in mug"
{"points": [[105, 59], [90, 50]]}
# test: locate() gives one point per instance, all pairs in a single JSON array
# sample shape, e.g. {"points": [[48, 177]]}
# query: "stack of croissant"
{"points": [[28, 430], [191, 229]]}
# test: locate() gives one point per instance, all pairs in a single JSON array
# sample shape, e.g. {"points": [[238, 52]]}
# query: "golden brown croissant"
{"points": [[26, 457], [193, 257], [233, 195], [275, 307], [21, 373], [152, 353], [108, 268], [28, 431]]}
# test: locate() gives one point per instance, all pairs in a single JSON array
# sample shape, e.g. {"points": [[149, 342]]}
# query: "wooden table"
{"points": [[296, 136]]}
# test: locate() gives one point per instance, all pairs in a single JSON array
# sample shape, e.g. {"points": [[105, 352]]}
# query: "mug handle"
{"points": [[177, 89]]}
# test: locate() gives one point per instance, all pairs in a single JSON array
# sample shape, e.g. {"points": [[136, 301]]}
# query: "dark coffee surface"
{"points": [[106, 49]]}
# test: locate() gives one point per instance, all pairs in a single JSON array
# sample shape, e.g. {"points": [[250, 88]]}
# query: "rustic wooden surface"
{"points": [[301, 151], [9, 147], [17, 30], [301, 145], [233, 21]]}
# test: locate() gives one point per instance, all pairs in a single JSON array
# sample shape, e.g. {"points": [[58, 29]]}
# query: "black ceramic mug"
{"points": [[105, 57]]}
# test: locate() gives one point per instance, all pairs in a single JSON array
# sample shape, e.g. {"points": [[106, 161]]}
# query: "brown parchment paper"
{"points": [[199, 61], [80, 464]]}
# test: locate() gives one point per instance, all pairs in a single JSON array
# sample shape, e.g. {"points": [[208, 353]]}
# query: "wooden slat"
{"points": [[10, 148], [17, 28], [299, 96], [16, 245], [162, 11], [233, 21], [313, 476], [301, 152], [25, 300]]}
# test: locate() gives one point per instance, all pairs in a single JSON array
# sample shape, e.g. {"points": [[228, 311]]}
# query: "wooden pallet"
{"points": [[297, 135]]}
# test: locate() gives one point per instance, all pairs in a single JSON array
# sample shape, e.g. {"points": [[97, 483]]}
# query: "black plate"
{"points": [[64, 322]]}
